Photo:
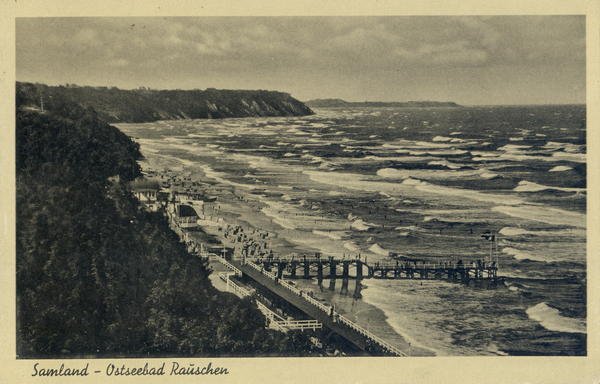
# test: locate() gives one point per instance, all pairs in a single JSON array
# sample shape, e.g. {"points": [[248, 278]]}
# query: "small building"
{"points": [[186, 216], [146, 191]]}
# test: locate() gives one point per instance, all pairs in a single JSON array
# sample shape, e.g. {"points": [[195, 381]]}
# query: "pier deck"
{"points": [[316, 313], [330, 268]]}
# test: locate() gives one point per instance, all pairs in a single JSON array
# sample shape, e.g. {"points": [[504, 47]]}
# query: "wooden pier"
{"points": [[270, 272], [332, 269]]}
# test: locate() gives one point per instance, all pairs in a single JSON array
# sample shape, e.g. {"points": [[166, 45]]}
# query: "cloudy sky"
{"points": [[469, 60]]}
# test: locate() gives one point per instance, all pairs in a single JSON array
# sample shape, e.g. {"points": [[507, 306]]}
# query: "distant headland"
{"points": [[337, 103], [114, 105]]}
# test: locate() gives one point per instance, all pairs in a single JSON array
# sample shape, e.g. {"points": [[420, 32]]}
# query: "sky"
{"points": [[471, 60]]}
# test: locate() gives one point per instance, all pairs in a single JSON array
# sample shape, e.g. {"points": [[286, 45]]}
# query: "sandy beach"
{"points": [[233, 209]]}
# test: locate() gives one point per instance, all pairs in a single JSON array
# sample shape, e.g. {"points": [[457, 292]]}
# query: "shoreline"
{"points": [[234, 211]]}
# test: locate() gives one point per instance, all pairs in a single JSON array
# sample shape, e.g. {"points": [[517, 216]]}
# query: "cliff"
{"points": [[143, 105], [96, 275], [336, 103]]}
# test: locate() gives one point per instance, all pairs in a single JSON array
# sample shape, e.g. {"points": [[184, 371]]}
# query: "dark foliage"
{"points": [[97, 275], [142, 105]]}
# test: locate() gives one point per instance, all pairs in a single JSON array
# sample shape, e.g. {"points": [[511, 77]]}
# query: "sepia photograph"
{"points": [[194, 194]]}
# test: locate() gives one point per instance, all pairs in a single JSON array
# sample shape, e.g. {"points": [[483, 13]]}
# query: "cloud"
{"points": [[324, 56], [455, 53]]}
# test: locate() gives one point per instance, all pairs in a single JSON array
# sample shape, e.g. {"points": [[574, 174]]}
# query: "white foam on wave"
{"points": [[375, 248], [334, 236], [528, 186], [544, 214], [489, 175], [574, 157], [319, 125], [470, 194], [351, 246], [400, 308], [439, 152], [424, 144], [560, 168], [514, 231], [514, 147], [523, 156], [410, 228], [484, 154], [550, 253], [220, 177], [410, 188], [567, 147], [551, 319], [444, 163], [521, 255], [441, 138], [391, 173], [361, 225]]}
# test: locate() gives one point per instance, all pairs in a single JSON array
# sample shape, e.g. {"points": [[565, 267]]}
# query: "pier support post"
{"points": [[359, 271], [332, 273], [345, 268], [345, 273], [320, 272], [344, 290], [357, 288], [294, 264], [332, 284], [306, 269], [280, 267], [332, 269]]}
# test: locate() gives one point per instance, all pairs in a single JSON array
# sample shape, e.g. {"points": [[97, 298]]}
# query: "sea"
{"points": [[422, 184]]}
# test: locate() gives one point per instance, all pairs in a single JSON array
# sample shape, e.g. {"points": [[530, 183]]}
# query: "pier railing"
{"points": [[329, 310], [230, 266], [241, 292], [291, 288], [384, 344], [274, 320]]}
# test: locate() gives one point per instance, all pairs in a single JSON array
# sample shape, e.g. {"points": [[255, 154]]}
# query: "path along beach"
{"points": [[246, 211]]}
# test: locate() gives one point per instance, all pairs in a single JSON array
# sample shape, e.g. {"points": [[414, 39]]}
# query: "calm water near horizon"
{"points": [[423, 184]]}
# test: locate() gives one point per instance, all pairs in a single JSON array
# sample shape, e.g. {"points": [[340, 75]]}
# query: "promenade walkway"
{"points": [[321, 312]]}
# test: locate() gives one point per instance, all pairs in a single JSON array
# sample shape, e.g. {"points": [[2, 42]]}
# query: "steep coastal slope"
{"points": [[143, 105], [335, 103], [96, 275]]}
